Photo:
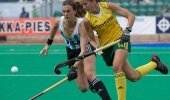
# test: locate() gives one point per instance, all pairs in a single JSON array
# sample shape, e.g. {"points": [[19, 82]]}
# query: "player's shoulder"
{"points": [[108, 5], [103, 4], [80, 19], [111, 5], [86, 22], [87, 16], [59, 19]]}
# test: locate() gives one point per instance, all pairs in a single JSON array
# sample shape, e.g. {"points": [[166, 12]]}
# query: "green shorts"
{"points": [[108, 54]]}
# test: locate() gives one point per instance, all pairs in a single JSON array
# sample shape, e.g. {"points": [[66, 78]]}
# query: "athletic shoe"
{"points": [[160, 66]]}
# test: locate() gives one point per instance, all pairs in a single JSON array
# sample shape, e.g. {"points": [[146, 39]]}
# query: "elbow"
{"points": [[133, 16]]}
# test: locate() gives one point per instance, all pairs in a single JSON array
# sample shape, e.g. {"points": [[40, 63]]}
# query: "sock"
{"points": [[120, 80], [145, 69], [91, 87], [101, 89]]}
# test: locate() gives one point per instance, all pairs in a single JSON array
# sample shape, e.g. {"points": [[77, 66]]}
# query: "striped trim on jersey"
{"points": [[73, 41], [89, 48]]}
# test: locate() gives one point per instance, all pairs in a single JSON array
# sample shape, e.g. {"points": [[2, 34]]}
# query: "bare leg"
{"points": [[131, 74], [97, 84], [121, 64], [82, 79], [89, 67]]}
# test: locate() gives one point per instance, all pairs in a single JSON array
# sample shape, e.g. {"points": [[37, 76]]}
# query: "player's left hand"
{"points": [[44, 51], [72, 74], [125, 36]]}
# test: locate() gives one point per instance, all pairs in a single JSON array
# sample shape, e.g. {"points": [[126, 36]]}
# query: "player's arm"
{"points": [[90, 32], [130, 17], [54, 29], [52, 34], [123, 12], [83, 40]]}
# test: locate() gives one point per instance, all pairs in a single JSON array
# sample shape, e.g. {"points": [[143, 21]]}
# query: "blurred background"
{"points": [[152, 20]]}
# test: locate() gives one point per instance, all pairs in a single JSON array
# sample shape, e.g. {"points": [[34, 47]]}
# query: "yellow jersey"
{"points": [[105, 24]]}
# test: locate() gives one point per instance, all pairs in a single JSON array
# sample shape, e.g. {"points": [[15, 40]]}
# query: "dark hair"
{"points": [[76, 6]]}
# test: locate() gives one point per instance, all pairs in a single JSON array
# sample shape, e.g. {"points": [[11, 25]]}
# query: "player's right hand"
{"points": [[125, 36], [72, 74], [44, 51]]}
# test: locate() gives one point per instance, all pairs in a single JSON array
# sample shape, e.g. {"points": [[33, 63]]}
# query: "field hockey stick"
{"points": [[50, 88], [56, 68]]}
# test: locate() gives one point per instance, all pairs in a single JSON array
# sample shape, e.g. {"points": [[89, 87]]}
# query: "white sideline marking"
{"points": [[33, 53], [48, 75], [37, 53]]}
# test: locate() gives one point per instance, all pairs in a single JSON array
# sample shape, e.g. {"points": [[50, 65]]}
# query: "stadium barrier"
{"points": [[36, 30]]}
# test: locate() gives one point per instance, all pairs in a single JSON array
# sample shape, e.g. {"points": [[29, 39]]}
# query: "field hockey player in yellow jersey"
{"points": [[101, 18]]}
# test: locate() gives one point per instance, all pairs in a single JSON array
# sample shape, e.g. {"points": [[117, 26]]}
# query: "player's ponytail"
{"points": [[80, 11], [76, 6]]}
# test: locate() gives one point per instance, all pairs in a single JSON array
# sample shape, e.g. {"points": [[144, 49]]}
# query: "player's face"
{"points": [[88, 5], [68, 12]]}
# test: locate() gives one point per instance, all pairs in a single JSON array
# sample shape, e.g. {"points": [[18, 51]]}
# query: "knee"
{"points": [[117, 67], [82, 85], [133, 79], [83, 89], [90, 76]]}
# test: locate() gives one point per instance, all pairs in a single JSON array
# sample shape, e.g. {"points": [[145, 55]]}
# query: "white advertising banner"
{"points": [[143, 25]]}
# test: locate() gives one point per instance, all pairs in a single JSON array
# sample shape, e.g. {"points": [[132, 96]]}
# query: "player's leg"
{"points": [[89, 70], [121, 62], [135, 74], [97, 84], [116, 56], [82, 79], [120, 78], [131, 74]]}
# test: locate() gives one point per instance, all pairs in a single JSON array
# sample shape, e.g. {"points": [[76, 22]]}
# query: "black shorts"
{"points": [[75, 53]]}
